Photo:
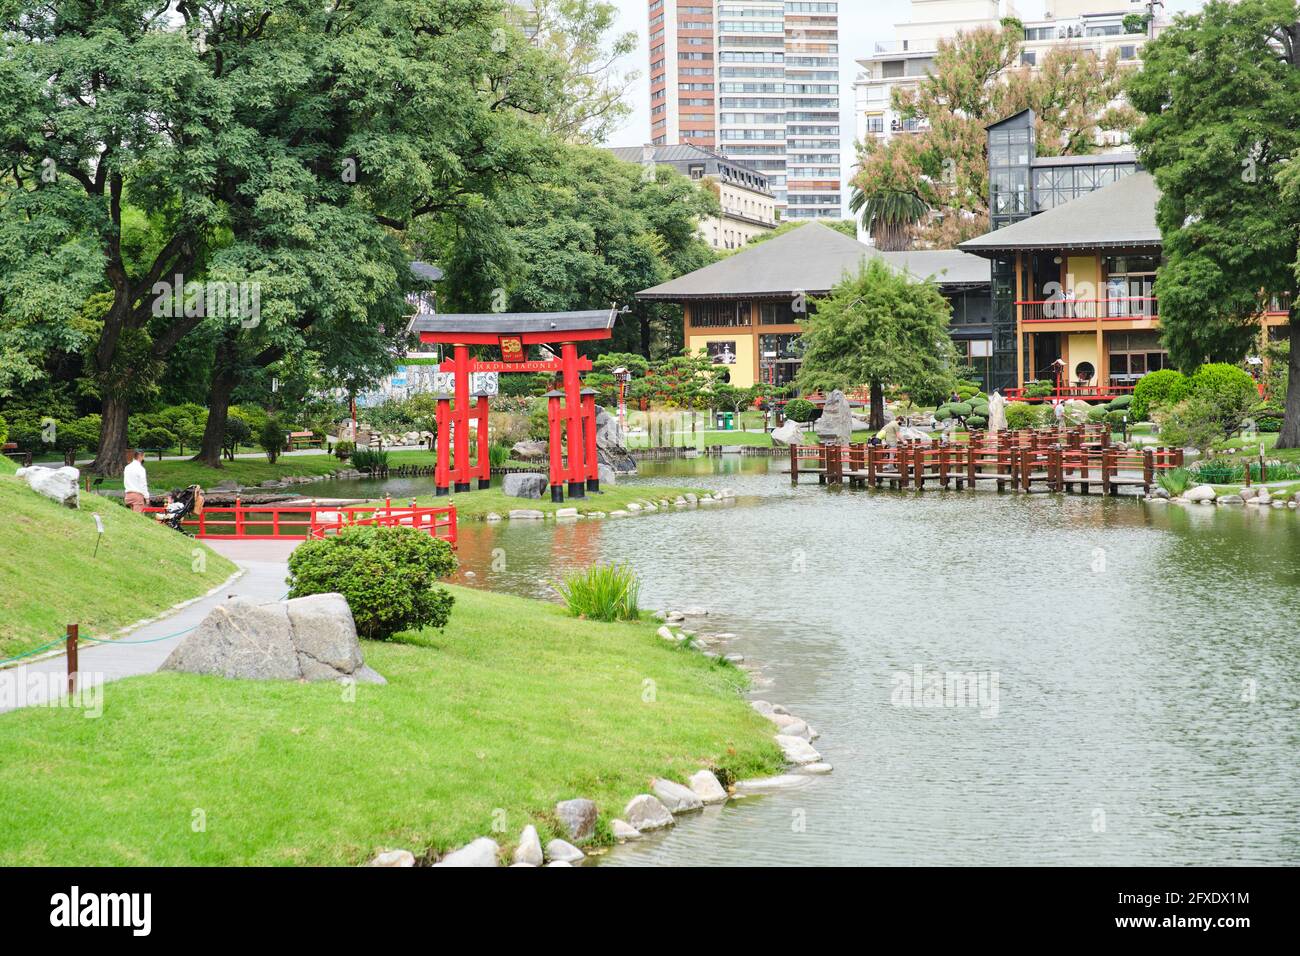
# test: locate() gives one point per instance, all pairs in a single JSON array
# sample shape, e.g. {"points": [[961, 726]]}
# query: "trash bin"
{"points": [[724, 421]]}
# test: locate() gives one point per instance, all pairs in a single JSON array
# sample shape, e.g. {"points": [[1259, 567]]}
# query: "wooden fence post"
{"points": [[73, 634], [794, 463]]}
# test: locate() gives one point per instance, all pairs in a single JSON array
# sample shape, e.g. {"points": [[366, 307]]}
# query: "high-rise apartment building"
{"points": [[757, 80]]}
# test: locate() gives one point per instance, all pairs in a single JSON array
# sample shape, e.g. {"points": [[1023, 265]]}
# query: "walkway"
{"points": [[142, 651]]}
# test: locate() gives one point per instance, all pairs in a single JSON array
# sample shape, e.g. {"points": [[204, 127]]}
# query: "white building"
{"points": [[748, 206], [1097, 25]]}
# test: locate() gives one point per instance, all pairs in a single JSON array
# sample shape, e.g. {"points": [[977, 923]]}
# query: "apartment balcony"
{"points": [[1047, 311]]}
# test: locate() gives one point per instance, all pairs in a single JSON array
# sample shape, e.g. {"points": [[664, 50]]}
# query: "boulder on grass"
{"points": [[578, 817], [60, 484], [524, 485], [836, 422], [310, 638], [790, 433], [527, 450]]}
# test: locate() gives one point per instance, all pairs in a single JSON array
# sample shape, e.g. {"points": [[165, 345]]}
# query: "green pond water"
{"points": [[1147, 667]]}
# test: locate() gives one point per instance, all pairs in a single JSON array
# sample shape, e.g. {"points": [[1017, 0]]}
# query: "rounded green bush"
{"points": [[943, 412], [960, 409], [1023, 415], [1120, 403], [977, 421], [800, 410], [387, 576], [1220, 381], [1168, 386]]}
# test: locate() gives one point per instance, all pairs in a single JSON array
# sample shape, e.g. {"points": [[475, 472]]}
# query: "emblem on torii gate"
{"points": [[571, 410]]}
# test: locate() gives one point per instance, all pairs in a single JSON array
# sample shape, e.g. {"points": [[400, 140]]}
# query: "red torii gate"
{"points": [[571, 410]]}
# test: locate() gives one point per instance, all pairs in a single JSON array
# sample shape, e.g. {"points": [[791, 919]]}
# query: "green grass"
{"points": [[702, 439], [49, 579], [477, 504], [602, 592], [514, 707]]}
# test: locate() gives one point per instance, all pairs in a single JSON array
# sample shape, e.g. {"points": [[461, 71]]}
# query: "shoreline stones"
{"points": [[645, 812], [561, 851], [480, 852], [578, 817], [705, 785], [624, 831], [529, 851], [394, 858], [675, 797]]}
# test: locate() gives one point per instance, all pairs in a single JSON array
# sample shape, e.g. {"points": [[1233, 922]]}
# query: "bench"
{"points": [[10, 450], [304, 440]]}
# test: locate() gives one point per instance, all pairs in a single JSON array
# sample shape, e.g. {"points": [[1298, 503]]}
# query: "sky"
{"points": [[863, 23]]}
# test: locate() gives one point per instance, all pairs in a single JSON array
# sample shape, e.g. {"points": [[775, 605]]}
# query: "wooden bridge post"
{"points": [[872, 459], [1148, 469], [1107, 471], [794, 463], [834, 455], [943, 467]]}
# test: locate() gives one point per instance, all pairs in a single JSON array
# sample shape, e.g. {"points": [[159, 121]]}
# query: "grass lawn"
{"points": [[49, 579], [477, 504], [165, 475], [514, 707], [702, 439]]}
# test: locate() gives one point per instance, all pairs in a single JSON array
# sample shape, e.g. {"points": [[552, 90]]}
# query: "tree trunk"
{"points": [[1290, 434], [219, 392], [877, 406], [110, 455]]}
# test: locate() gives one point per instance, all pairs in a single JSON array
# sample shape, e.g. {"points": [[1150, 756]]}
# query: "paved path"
{"points": [[265, 566]]}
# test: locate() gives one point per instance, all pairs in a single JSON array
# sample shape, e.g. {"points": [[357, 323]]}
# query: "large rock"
{"points": [[797, 750], [608, 476], [645, 812], [482, 852], [529, 851], [560, 851], [578, 817], [394, 858], [790, 433], [524, 485], [1201, 493], [60, 484], [311, 638], [707, 788], [674, 796], [836, 423], [528, 449], [611, 444], [624, 831]]}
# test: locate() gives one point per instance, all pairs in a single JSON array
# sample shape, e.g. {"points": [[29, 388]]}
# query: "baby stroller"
{"points": [[180, 506]]}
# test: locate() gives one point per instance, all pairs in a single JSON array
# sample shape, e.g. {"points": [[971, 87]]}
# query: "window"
{"points": [[705, 315]]}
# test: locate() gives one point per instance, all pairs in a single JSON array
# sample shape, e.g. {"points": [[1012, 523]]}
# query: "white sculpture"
{"points": [[997, 413]]}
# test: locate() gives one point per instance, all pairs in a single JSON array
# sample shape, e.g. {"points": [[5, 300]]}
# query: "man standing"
{"points": [[134, 481]]}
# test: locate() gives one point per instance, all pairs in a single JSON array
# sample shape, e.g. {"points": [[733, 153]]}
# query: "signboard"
{"points": [[480, 383], [555, 365], [512, 349]]}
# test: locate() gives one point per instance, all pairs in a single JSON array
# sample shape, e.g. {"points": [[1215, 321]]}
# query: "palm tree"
{"points": [[890, 215]]}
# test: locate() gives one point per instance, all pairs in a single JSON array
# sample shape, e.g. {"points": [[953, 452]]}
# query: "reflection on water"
{"points": [[1146, 661]]}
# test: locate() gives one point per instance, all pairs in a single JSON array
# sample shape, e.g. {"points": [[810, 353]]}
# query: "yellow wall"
{"points": [[1083, 348], [1082, 272], [742, 373]]}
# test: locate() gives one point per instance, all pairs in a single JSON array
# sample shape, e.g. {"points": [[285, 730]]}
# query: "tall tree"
{"points": [[1220, 94], [250, 138], [975, 82], [890, 216], [879, 328]]}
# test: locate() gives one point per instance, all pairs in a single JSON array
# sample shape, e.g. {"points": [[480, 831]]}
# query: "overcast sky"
{"points": [[862, 24]]}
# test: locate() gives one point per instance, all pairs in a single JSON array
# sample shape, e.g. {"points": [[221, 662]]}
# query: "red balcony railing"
{"points": [[1075, 310], [1085, 393]]}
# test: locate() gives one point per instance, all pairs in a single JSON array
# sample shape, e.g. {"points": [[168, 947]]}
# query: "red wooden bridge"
{"points": [[294, 522], [1063, 461]]}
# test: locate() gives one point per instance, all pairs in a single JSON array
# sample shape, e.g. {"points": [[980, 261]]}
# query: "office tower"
{"points": [[682, 79]]}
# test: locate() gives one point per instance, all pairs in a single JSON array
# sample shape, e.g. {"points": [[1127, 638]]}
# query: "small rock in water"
{"points": [[817, 768], [707, 788], [624, 831], [561, 851], [797, 750], [645, 812], [785, 781], [762, 706], [674, 796]]}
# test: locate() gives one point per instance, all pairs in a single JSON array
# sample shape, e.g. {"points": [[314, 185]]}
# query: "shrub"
{"points": [[386, 574], [539, 423], [271, 438], [74, 436], [800, 410], [1227, 388], [157, 438], [498, 455], [342, 449], [1217, 472], [1023, 415], [1165, 387], [1120, 404], [371, 460], [1196, 422], [4, 430], [237, 433], [977, 421], [960, 409], [603, 592], [1040, 389], [1175, 481]]}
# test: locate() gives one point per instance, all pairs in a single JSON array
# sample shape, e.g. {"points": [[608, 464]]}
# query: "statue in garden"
{"points": [[611, 444], [836, 423], [997, 413]]}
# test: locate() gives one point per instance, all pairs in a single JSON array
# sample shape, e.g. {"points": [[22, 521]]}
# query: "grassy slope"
{"points": [[476, 504], [48, 578], [513, 707]]}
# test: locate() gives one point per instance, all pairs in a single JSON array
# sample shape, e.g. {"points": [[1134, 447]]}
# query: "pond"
{"points": [[1146, 666]]}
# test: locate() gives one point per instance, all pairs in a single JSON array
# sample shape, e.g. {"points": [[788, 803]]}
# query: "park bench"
{"points": [[303, 440]]}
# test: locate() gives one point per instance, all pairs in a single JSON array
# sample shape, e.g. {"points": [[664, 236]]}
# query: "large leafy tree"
{"points": [[285, 143], [1220, 93], [879, 328], [585, 232], [943, 167]]}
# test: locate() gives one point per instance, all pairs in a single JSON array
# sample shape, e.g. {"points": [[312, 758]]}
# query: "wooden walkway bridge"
{"points": [[1076, 459]]}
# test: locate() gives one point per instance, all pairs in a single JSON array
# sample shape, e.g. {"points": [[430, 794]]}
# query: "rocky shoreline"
{"points": [[667, 799], [1259, 496]]}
